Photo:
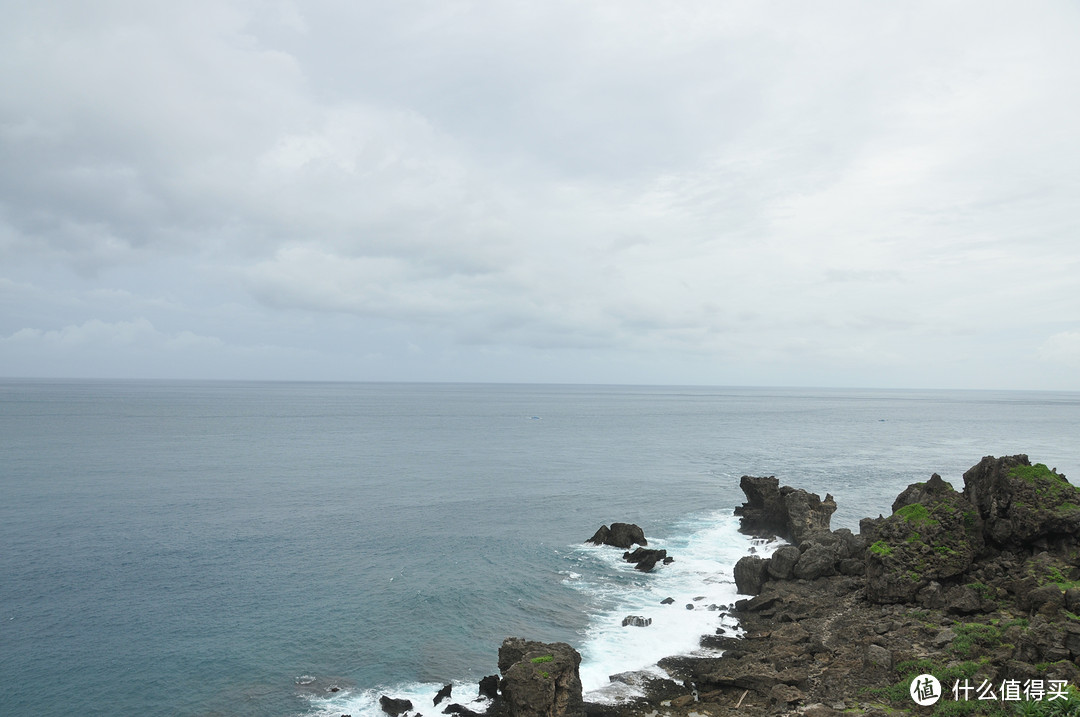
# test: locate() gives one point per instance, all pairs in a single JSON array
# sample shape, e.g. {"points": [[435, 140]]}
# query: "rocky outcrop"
{"points": [[540, 679], [1023, 505], [636, 621], [785, 512], [393, 706], [443, 694], [645, 559], [933, 535], [619, 535]]}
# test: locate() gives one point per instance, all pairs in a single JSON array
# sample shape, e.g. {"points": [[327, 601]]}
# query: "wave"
{"points": [[701, 586]]}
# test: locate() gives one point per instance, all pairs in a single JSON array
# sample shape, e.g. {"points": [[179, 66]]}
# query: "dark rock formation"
{"points": [[750, 574], [636, 621], [645, 559], [619, 535], [489, 686], [1023, 504], [393, 706], [934, 535], [443, 694], [540, 679], [789, 513]]}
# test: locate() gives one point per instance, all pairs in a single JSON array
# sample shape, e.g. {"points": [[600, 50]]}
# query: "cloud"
{"points": [[744, 182], [97, 334], [1062, 348]]}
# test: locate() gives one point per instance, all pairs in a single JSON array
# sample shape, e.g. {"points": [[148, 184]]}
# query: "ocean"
{"points": [[299, 549]]}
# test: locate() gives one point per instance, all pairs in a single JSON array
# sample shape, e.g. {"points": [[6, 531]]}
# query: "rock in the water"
{"points": [[645, 559], [667, 601], [443, 694], [619, 535], [489, 686], [636, 621], [393, 706], [790, 513], [540, 679]]}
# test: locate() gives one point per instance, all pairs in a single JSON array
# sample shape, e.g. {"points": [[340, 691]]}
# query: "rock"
{"points": [[461, 710], [619, 535], [489, 686], [667, 601], [443, 694], [962, 600], [944, 638], [792, 514], [818, 561], [1046, 600], [1022, 503], [393, 706], [783, 562], [1072, 600], [750, 574], [540, 679], [645, 559], [878, 657], [785, 694], [921, 542], [636, 621]]}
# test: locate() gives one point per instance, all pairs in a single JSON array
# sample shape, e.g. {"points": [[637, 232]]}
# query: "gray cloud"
{"points": [[704, 192]]}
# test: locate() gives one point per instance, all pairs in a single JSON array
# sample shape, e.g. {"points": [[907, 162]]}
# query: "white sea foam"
{"points": [[422, 695], [701, 577]]}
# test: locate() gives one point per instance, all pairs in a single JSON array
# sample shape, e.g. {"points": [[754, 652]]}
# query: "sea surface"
{"points": [[298, 549]]}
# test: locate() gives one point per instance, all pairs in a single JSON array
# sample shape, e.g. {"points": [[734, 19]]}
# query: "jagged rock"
{"points": [[1046, 600], [645, 559], [962, 600], [619, 535], [1022, 503], [443, 694], [489, 686], [877, 656], [667, 601], [636, 621], [461, 711], [540, 679], [785, 694], [792, 514], [782, 562], [750, 574], [393, 706], [818, 561], [933, 538]]}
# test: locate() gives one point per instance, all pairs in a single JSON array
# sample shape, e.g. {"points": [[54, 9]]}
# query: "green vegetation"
{"points": [[972, 634], [541, 660], [1048, 485], [1069, 707], [545, 674], [916, 514], [881, 548]]}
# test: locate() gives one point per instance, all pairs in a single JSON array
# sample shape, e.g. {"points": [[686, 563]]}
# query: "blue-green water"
{"points": [[181, 548]]}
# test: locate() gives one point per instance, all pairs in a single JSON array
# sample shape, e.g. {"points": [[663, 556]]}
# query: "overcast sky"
{"points": [[734, 193]]}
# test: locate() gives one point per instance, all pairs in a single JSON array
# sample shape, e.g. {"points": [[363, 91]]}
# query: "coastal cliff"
{"points": [[979, 588]]}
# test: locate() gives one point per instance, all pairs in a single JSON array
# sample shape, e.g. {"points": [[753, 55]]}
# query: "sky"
{"points": [[847, 194]]}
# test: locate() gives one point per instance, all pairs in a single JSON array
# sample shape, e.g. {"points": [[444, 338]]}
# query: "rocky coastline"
{"points": [[979, 587]]}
